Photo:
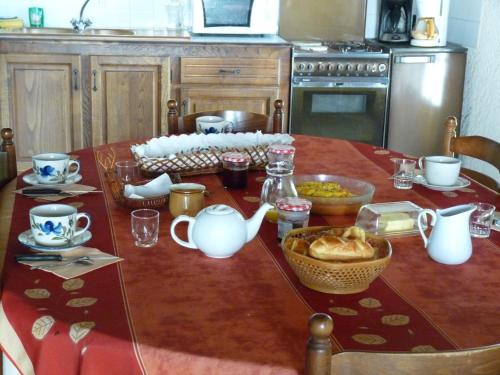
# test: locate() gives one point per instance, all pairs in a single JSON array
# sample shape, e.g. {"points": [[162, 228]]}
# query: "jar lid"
{"points": [[281, 149], [293, 204], [235, 157]]}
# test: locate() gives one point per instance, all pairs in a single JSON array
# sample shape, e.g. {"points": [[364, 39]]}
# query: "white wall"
{"points": [[103, 13]]}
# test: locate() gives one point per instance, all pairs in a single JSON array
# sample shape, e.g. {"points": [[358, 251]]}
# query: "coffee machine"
{"points": [[395, 21], [431, 23]]}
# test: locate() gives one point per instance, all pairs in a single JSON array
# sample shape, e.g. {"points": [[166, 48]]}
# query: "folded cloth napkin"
{"points": [[67, 191], [155, 188], [68, 270]]}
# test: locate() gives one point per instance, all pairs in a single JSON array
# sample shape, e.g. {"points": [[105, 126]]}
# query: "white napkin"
{"points": [[157, 187]]}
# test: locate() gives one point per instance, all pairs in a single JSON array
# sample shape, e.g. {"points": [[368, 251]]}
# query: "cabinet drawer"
{"points": [[263, 72]]}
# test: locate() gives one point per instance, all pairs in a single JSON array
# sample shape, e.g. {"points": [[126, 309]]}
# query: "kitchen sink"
{"points": [[70, 31]]}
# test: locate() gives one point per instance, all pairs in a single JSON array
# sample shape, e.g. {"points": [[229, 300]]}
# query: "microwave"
{"points": [[235, 16]]}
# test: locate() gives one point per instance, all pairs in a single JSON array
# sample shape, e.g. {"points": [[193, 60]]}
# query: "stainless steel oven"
{"points": [[340, 95]]}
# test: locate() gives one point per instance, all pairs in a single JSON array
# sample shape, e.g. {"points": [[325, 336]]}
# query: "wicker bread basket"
{"points": [[336, 277], [197, 163], [116, 187]]}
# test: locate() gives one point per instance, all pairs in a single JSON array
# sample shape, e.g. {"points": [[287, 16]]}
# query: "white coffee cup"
{"points": [[55, 224], [212, 124], [52, 168], [440, 170]]}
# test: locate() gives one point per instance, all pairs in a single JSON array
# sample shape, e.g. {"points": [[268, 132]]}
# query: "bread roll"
{"points": [[298, 245], [336, 248]]}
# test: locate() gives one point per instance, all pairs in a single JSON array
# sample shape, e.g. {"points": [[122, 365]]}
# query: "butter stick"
{"points": [[395, 222]]}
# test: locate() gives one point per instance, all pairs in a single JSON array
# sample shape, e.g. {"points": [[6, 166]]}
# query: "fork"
{"points": [[85, 260]]}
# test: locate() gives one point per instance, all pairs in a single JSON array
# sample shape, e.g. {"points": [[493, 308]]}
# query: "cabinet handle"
{"points": [[94, 74], [184, 107], [75, 80], [230, 71]]}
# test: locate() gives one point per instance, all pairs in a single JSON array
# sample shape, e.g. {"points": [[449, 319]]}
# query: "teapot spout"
{"points": [[253, 224]]}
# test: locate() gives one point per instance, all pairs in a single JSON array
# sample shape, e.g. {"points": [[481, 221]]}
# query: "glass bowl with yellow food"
{"points": [[333, 195]]}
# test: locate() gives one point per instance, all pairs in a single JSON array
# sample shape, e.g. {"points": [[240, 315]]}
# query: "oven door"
{"points": [[354, 111]]}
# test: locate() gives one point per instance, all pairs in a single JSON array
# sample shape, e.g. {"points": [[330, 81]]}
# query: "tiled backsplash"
{"points": [[463, 25]]}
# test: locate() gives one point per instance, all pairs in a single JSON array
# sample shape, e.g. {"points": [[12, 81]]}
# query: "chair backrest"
{"points": [[474, 146], [320, 361], [242, 121], [8, 165]]}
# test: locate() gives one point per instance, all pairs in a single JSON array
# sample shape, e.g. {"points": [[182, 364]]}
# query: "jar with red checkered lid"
{"points": [[235, 169], [293, 213], [280, 153]]}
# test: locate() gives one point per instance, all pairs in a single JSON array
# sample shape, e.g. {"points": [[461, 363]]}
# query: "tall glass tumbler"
{"points": [[145, 226]]}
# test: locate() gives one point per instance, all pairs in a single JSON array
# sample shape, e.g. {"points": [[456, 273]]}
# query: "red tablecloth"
{"points": [[172, 310]]}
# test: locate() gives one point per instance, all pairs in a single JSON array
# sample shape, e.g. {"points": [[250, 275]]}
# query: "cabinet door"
{"points": [[256, 99], [41, 100], [129, 97]]}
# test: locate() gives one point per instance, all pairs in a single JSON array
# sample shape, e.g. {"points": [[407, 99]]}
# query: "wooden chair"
{"points": [[8, 166], [320, 361], [475, 146], [242, 121]]}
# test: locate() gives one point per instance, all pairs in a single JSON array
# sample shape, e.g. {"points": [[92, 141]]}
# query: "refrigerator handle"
{"points": [[423, 59]]}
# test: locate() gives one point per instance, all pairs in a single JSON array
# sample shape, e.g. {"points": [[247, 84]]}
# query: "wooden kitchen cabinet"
{"points": [[213, 83], [129, 97], [41, 100]]}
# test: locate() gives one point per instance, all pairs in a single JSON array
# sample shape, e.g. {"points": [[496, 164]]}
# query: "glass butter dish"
{"points": [[392, 219]]}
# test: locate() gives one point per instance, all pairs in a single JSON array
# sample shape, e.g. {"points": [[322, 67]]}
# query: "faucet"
{"points": [[81, 24]]}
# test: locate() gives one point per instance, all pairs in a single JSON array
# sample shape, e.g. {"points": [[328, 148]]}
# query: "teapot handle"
{"points": [[422, 219], [190, 244]]}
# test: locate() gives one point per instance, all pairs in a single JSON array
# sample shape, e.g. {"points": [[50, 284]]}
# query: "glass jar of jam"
{"points": [[278, 184], [292, 213], [235, 169], [280, 153]]}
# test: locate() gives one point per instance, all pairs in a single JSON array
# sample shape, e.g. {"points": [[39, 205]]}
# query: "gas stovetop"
{"points": [[340, 59]]}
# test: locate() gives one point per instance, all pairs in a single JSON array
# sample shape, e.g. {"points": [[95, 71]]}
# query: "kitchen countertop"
{"points": [[141, 35], [408, 48]]}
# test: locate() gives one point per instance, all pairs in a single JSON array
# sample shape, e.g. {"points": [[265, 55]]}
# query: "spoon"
{"points": [[85, 260]]}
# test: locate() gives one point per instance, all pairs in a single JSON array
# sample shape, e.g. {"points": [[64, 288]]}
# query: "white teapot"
{"points": [[219, 231], [450, 241]]}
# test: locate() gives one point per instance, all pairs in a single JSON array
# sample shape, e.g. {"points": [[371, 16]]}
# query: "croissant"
{"points": [[337, 248]]}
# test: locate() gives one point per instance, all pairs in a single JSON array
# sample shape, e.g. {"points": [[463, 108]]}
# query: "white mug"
{"points": [[213, 124], [440, 170], [55, 224], [52, 168]]}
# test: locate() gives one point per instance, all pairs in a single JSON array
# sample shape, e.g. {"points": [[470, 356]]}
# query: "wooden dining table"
{"points": [[172, 310]]}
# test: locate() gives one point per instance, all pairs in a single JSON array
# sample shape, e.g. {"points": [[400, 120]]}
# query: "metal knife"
{"points": [[54, 191], [57, 257]]}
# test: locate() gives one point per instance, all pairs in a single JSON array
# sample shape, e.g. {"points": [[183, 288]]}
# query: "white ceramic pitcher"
{"points": [[450, 240]]}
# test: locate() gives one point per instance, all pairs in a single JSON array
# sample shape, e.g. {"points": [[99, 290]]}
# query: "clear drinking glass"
{"points": [[127, 170], [481, 220], [145, 226], [404, 172]]}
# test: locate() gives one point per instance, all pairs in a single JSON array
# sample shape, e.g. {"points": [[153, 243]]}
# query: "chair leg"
{"points": [[450, 133], [172, 117], [278, 116]]}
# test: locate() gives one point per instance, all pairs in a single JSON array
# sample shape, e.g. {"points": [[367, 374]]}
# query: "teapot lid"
{"points": [[219, 210]]}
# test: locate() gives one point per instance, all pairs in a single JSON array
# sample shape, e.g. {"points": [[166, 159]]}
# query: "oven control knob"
{"points": [[331, 67], [340, 67], [372, 67], [382, 68], [350, 67], [301, 67], [360, 67], [310, 67], [321, 67]]}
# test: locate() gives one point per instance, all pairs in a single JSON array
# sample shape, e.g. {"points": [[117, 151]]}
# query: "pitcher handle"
{"points": [[421, 219], [190, 244], [421, 162]]}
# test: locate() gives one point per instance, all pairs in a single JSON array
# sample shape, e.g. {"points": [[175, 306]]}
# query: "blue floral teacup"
{"points": [[213, 124], [55, 224], [52, 168]]}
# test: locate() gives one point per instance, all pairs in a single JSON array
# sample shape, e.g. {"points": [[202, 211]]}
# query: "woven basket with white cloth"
{"points": [[192, 154]]}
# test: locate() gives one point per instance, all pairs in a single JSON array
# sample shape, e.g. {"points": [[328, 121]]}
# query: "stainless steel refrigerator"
{"points": [[426, 86]]}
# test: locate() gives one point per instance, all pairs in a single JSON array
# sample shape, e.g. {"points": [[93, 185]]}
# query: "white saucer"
{"points": [[31, 179], [26, 238], [461, 183]]}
